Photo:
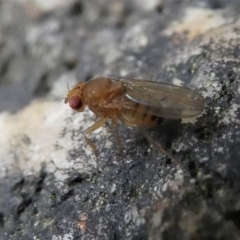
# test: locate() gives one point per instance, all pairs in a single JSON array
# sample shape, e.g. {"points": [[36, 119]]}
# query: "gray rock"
{"points": [[51, 186]]}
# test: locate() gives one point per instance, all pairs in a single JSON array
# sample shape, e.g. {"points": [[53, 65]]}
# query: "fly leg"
{"points": [[91, 129], [159, 147], [115, 125]]}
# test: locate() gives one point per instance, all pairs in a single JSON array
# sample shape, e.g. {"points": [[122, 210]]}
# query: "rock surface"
{"points": [[50, 184]]}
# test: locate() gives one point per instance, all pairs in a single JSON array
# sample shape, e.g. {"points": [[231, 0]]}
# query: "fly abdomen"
{"points": [[140, 115], [157, 120], [144, 115]]}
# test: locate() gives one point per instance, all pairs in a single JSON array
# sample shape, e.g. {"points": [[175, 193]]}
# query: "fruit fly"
{"points": [[135, 102]]}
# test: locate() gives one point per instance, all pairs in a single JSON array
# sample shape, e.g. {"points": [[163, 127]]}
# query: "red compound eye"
{"points": [[75, 103]]}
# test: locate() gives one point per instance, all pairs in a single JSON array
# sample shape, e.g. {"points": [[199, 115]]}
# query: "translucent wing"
{"points": [[163, 100]]}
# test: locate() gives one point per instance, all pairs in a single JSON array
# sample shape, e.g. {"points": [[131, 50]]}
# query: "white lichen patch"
{"points": [[66, 236], [136, 37], [45, 5], [42, 133], [195, 22], [207, 81], [217, 35], [230, 115], [223, 34], [172, 182]]}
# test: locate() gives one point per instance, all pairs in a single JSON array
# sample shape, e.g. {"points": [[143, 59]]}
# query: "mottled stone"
{"points": [[51, 186]]}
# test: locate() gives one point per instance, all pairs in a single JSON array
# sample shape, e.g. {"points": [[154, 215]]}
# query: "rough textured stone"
{"points": [[50, 184]]}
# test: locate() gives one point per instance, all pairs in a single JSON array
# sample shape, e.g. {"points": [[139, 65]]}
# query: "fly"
{"points": [[135, 102]]}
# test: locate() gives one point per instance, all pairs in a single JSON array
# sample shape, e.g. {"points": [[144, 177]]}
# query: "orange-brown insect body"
{"points": [[137, 103], [103, 97], [106, 98]]}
